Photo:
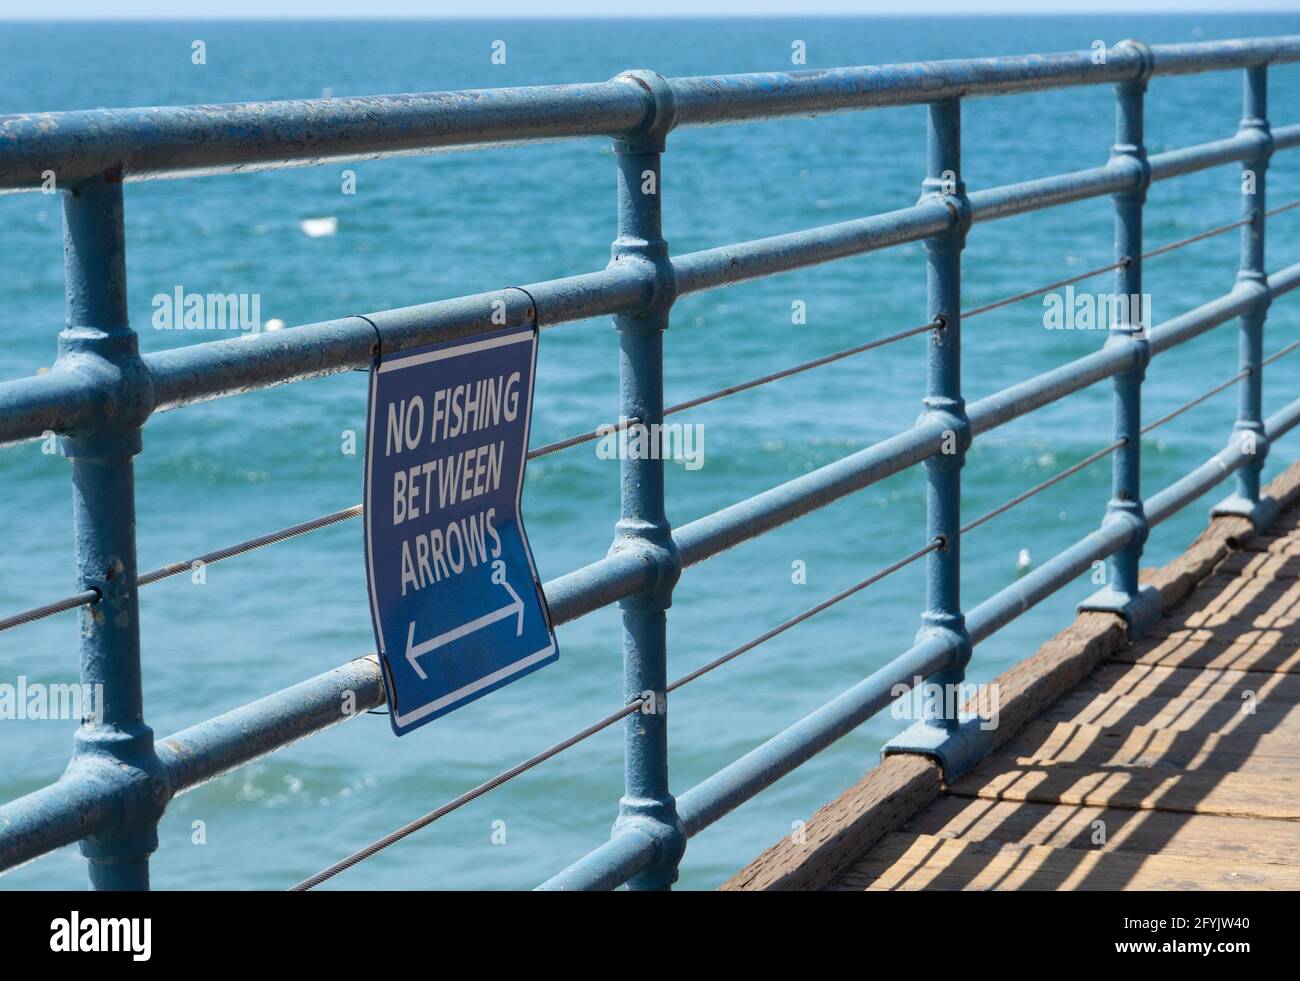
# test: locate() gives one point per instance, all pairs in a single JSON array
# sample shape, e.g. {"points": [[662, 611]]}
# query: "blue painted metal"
{"points": [[647, 807], [943, 402], [100, 393], [1124, 594], [954, 741], [173, 142], [622, 858], [1252, 278], [1286, 137], [99, 345]]}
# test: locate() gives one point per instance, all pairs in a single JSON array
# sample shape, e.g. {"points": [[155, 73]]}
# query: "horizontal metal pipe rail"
{"points": [[197, 140], [54, 402], [101, 391]]}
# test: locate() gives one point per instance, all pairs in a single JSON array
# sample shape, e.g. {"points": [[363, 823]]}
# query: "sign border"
{"points": [[404, 722]]}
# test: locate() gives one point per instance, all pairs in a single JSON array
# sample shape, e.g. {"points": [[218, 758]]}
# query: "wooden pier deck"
{"points": [[1172, 763]]}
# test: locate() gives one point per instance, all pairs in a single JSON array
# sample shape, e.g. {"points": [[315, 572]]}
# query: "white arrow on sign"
{"points": [[415, 651]]}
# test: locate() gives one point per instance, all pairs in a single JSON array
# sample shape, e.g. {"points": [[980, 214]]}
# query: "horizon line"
{"points": [[1119, 9]]}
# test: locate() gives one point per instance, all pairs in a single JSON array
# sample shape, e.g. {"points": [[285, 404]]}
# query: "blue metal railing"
{"points": [[101, 391]]}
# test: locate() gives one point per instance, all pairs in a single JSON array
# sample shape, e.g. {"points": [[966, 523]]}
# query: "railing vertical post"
{"points": [[940, 732], [1249, 426], [943, 401], [1128, 328], [647, 805], [99, 343]]}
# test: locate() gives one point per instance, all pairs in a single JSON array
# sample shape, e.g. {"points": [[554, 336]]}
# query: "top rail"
{"points": [[148, 143]]}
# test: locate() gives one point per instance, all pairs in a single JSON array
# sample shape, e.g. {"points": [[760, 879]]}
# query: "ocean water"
{"points": [[420, 229]]}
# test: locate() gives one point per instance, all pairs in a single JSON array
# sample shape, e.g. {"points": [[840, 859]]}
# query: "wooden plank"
{"points": [[1285, 489], [1288, 520], [844, 828], [1232, 752], [1205, 715], [1207, 700], [1227, 648], [1244, 602], [1248, 840], [1026, 689], [1280, 539], [1284, 545], [1122, 679], [1176, 579], [1261, 565], [913, 862], [1272, 795]]}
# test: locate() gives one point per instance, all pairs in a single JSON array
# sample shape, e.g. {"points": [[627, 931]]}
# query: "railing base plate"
{"points": [[1261, 513], [1140, 611], [955, 750]]}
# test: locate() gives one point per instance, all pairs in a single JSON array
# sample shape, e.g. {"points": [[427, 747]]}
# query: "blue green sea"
{"points": [[424, 228]]}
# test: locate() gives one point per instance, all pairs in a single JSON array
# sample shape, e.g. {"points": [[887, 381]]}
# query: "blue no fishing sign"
{"points": [[454, 595]]}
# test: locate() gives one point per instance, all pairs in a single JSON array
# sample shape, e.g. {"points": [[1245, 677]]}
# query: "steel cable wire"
{"points": [[1112, 447], [92, 596]]}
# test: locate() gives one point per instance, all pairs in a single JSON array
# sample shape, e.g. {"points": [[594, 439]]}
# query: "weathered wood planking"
{"points": [[1248, 650], [840, 831], [1245, 601], [1184, 714], [1233, 752], [1253, 794], [1111, 829], [913, 862]]}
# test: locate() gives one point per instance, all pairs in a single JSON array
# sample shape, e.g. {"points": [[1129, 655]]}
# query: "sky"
{"points": [[485, 9]]}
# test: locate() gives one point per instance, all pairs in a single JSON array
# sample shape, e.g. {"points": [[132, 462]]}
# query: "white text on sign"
{"points": [[472, 407]]}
